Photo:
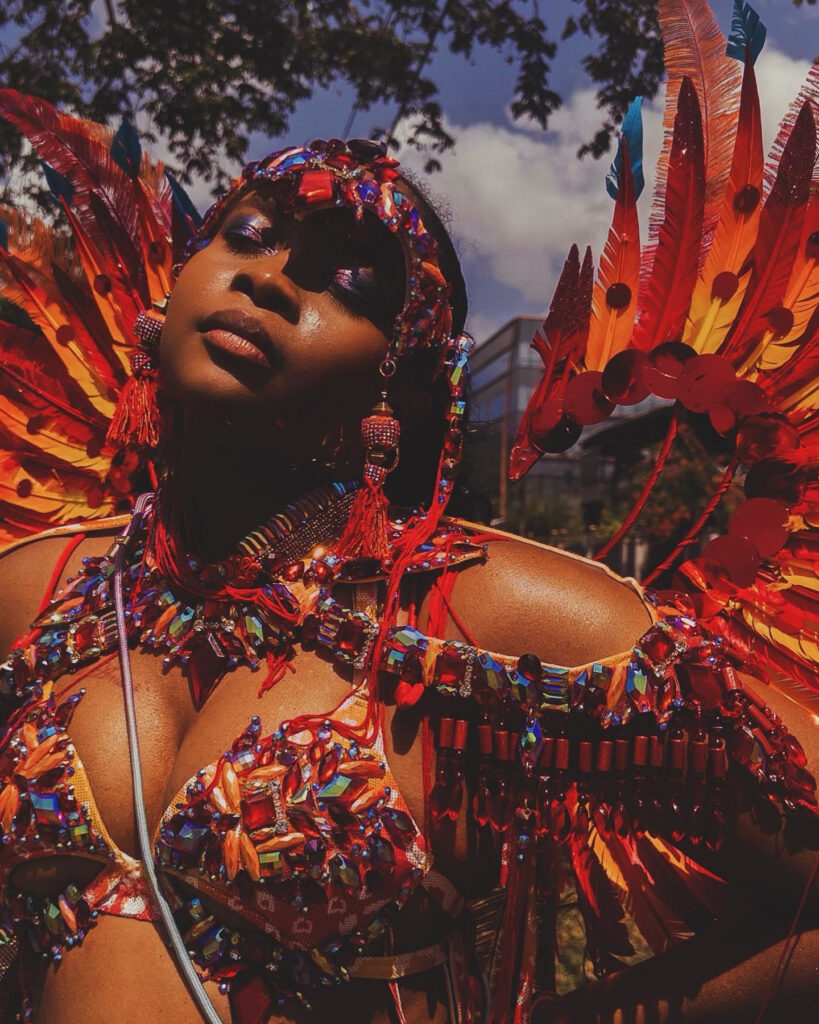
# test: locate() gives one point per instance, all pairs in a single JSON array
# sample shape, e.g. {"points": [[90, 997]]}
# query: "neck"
{"points": [[217, 492]]}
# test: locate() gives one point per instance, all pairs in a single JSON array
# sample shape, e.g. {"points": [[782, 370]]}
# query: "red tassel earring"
{"points": [[136, 418], [365, 535]]}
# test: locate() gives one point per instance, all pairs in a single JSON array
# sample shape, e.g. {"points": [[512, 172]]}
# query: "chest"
{"points": [[176, 740]]}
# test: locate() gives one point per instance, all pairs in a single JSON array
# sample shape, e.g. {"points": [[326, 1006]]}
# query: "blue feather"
{"points": [[60, 186], [4, 236], [632, 131], [183, 201], [746, 31], [126, 150]]}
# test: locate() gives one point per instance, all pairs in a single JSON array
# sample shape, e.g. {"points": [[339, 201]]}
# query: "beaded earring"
{"points": [[135, 423], [365, 535]]}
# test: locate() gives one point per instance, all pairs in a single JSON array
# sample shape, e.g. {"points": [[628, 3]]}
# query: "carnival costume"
{"points": [[588, 773]]}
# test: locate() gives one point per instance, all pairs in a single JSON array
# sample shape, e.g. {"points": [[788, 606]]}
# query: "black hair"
{"points": [[423, 423]]}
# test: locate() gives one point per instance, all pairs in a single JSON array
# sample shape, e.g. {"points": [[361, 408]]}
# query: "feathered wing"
{"points": [[60, 377], [727, 323]]}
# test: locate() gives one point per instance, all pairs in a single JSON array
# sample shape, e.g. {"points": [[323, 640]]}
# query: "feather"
{"points": [[70, 147], [747, 33], [182, 202], [809, 93], [60, 186], [126, 150], [660, 927], [792, 387], [780, 229], [614, 300], [560, 342], [665, 299], [695, 49], [711, 315], [124, 259], [632, 131], [31, 375], [801, 298], [50, 317], [606, 932]]}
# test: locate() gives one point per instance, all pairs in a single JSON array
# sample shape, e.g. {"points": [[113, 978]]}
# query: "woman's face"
{"points": [[279, 324]]}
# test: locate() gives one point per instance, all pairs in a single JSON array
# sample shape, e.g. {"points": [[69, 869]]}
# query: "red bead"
{"points": [[446, 732]]}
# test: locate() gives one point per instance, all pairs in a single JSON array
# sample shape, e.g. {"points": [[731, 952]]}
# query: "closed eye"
{"points": [[249, 235]]}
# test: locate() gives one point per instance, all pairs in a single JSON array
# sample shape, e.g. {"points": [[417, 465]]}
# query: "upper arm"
{"points": [[531, 599], [26, 580]]}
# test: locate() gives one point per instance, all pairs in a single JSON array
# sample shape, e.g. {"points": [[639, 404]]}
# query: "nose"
{"points": [[265, 281]]}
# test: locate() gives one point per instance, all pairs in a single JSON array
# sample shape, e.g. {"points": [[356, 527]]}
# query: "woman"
{"points": [[295, 681]]}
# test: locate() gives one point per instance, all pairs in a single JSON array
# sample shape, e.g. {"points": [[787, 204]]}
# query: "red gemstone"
{"points": [[250, 1000], [657, 644], [316, 186], [450, 668], [85, 635], [480, 804], [258, 810], [206, 667], [350, 636], [501, 811]]}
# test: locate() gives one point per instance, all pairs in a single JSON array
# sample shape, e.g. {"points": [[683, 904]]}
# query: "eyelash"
{"points": [[246, 239]]}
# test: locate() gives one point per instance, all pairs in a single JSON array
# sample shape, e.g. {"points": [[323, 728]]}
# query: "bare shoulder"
{"points": [[528, 597], [27, 570]]}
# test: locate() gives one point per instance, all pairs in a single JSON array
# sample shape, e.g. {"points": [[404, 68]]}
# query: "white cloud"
{"points": [[519, 197]]}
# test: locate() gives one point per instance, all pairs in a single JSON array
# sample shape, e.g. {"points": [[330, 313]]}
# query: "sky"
{"points": [[516, 196]]}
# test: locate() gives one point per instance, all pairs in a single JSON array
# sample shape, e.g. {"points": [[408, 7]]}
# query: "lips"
{"points": [[240, 335]]}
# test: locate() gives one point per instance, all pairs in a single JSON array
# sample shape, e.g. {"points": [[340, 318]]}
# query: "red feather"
{"points": [[695, 49], [780, 229], [664, 306], [70, 148], [560, 342]]}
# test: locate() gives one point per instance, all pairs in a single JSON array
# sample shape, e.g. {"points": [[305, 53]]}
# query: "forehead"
{"points": [[331, 225]]}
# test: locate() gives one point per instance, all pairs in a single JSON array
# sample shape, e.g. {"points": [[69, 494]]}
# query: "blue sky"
{"points": [[516, 195]]}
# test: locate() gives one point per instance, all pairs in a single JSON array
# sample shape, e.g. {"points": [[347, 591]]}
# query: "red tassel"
{"points": [[136, 418], [365, 535]]}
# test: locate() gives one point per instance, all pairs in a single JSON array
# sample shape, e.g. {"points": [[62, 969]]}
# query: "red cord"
{"points": [[692, 534], [59, 569], [648, 487]]}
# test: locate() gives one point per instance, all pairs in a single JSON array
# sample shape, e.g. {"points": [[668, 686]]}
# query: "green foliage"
{"points": [[556, 520], [686, 483]]}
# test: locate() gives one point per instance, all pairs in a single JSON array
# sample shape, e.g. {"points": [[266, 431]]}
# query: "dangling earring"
{"points": [[365, 535], [136, 418]]}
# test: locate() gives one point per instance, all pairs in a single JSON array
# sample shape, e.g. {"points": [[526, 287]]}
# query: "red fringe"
{"points": [[136, 417], [365, 535], [278, 664]]}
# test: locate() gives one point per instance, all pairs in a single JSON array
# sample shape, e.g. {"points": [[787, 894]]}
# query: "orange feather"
{"points": [[780, 229], [695, 49], [612, 325], [712, 312]]}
